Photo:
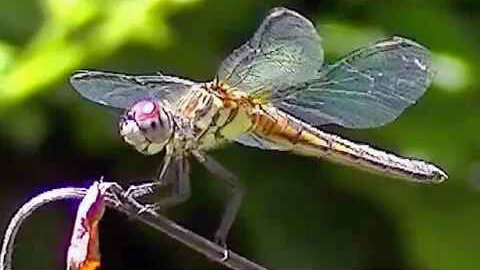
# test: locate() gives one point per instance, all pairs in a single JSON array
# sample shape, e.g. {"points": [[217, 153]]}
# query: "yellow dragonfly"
{"points": [[274, 92]]}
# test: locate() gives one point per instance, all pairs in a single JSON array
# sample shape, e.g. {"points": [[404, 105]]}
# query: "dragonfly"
{"points": [[275, 92]]}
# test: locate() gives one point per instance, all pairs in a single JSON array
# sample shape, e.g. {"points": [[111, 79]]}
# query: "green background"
{"points": [[299, 213]]}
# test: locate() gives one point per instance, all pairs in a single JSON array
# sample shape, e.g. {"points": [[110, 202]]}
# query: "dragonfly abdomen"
{"points": [[366, 157], [301, 138]]}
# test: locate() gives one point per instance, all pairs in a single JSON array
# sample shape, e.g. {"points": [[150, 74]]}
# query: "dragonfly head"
{"points": [[147, 126]]}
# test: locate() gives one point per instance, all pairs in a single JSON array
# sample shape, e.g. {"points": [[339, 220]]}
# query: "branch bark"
{"points": [[132, 209]]}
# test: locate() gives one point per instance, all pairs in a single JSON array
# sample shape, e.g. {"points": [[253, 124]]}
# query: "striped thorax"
{"points": [[216, 112]]}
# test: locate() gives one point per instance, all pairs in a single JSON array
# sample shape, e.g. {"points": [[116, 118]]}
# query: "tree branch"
{"points": [[132, 209]]}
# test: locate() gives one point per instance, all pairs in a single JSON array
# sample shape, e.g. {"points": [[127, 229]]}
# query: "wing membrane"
{"points": [[253, 140], [122, 90], [369, 87], [285, 50]]}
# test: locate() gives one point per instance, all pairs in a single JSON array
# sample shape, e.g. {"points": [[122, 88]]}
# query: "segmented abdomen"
{"points": [[301, 138]]}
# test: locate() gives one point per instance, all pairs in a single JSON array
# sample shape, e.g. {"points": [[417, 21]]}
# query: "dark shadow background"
{"points": [[299, 213]]}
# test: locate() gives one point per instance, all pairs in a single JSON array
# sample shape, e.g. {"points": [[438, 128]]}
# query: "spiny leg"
{"points": [[237, 191], [141, 190], [179, 178], [176, 174]]}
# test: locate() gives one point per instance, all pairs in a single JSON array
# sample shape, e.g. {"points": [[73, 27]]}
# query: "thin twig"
{"points": [[131, 208], [187, 237]]}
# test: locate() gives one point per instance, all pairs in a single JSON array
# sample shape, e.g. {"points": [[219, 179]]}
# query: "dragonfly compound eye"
{"points": [[152, 120]]}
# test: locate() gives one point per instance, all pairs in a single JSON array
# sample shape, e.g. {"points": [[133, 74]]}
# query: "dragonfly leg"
{"points": [[178, 175], [137, 191], [237, 191], [173, 171]]}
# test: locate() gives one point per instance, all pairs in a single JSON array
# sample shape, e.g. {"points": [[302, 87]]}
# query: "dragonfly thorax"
{"points": [[148, 126]]}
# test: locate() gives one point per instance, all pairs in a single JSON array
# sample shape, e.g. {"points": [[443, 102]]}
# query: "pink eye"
{"points": [[146, 110]]}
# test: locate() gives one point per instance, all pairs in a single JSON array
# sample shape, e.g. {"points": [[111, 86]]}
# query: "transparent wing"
{"points": [[253, 140], [369, 87], [284, 51], [122, 90]]}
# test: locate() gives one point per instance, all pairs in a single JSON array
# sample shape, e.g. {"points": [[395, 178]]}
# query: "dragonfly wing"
{"points": [[122, 90], [253, 140], [284, 50], [369, 87]]}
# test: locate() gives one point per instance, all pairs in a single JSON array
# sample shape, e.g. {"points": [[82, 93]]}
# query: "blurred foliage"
{"points": [[299, 213]]}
